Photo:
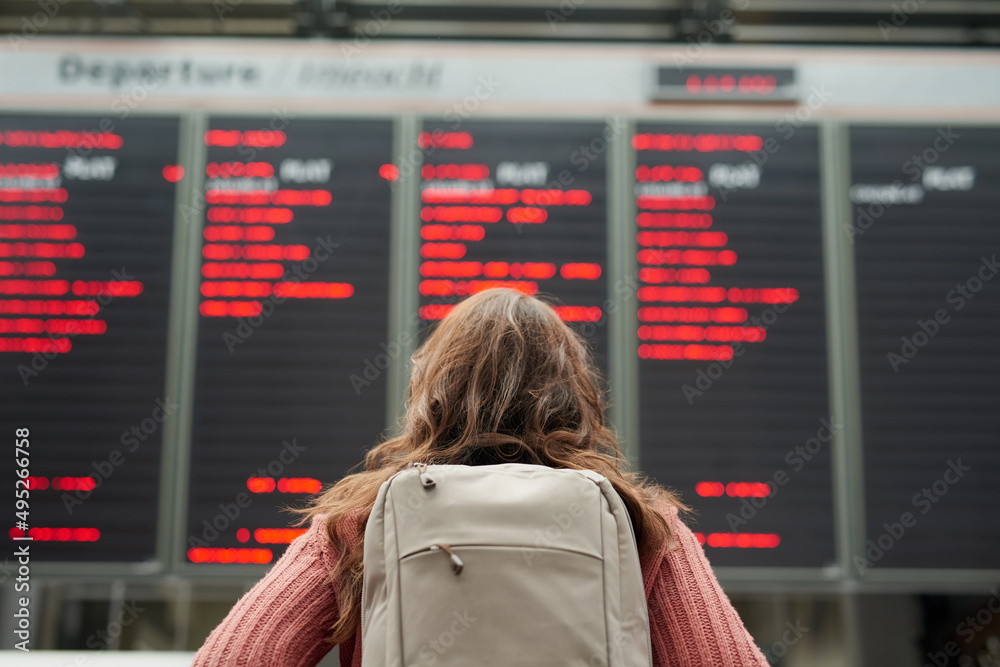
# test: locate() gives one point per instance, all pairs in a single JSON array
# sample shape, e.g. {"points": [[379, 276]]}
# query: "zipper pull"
{"points": [[425, 477], [456, 562]]}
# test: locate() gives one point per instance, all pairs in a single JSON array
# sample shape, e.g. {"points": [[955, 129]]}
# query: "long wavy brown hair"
{"points": [[500, 379]]}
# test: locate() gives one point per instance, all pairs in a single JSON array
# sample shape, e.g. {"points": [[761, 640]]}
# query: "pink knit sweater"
{"points": [[286, 617]]}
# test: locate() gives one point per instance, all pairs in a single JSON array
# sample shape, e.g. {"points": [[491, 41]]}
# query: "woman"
{"points": [[501, 379]]}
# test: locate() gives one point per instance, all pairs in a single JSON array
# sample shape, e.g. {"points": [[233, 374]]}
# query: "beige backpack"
{"points": [[508, 565]]}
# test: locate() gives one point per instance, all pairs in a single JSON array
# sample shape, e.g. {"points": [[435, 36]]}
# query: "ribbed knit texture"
{"points": [[284, 620], [691, 621]]}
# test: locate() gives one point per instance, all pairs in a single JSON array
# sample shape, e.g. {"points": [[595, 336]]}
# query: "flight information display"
{"points": [[926, 240], [734, 412], [292, 341], [86, 231], [517, 205]]}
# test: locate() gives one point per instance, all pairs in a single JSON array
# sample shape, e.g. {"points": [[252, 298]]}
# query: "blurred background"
{"points": [[225, 225]]}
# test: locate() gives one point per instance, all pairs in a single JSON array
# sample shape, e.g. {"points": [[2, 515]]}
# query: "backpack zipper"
{"points": [[456, 562], [425, 477]]}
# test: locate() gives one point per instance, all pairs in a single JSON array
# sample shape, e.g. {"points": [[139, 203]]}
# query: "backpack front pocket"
{"points": [[503, 599]]}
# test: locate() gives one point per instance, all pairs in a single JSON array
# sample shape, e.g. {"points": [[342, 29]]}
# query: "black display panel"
{"points": [[926, 237], [734, 411], [520, 205], [86, 231], [292, 339]]}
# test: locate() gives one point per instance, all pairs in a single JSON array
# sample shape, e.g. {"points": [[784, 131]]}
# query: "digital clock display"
{"points": [[724, 84]]}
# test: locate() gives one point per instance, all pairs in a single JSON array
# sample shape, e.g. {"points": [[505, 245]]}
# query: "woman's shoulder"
{"points": [[325, 531], [672, 512], [679, 536], [316, 541]]}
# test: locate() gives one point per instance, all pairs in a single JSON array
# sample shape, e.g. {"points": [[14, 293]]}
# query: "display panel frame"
{"points": [[749, 577], [160, 564], [901, 579], [177, 541], [847, 448]]}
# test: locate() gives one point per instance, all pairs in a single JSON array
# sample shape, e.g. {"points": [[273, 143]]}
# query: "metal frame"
{"points": [[403, 268], [843, 376], [623, 356], [183, 344], [842, 350]]}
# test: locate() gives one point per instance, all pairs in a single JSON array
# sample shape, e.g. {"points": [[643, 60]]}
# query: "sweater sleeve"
{"points": [[286, 617], [692, 622]]}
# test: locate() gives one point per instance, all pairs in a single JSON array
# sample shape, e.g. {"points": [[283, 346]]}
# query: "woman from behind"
{"points": [[501, 379]]}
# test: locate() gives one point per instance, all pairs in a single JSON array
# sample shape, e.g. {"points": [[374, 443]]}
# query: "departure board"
{"points": [[86, 231], [520, 205], [734, 412], [292, 342], [926, 239]]}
